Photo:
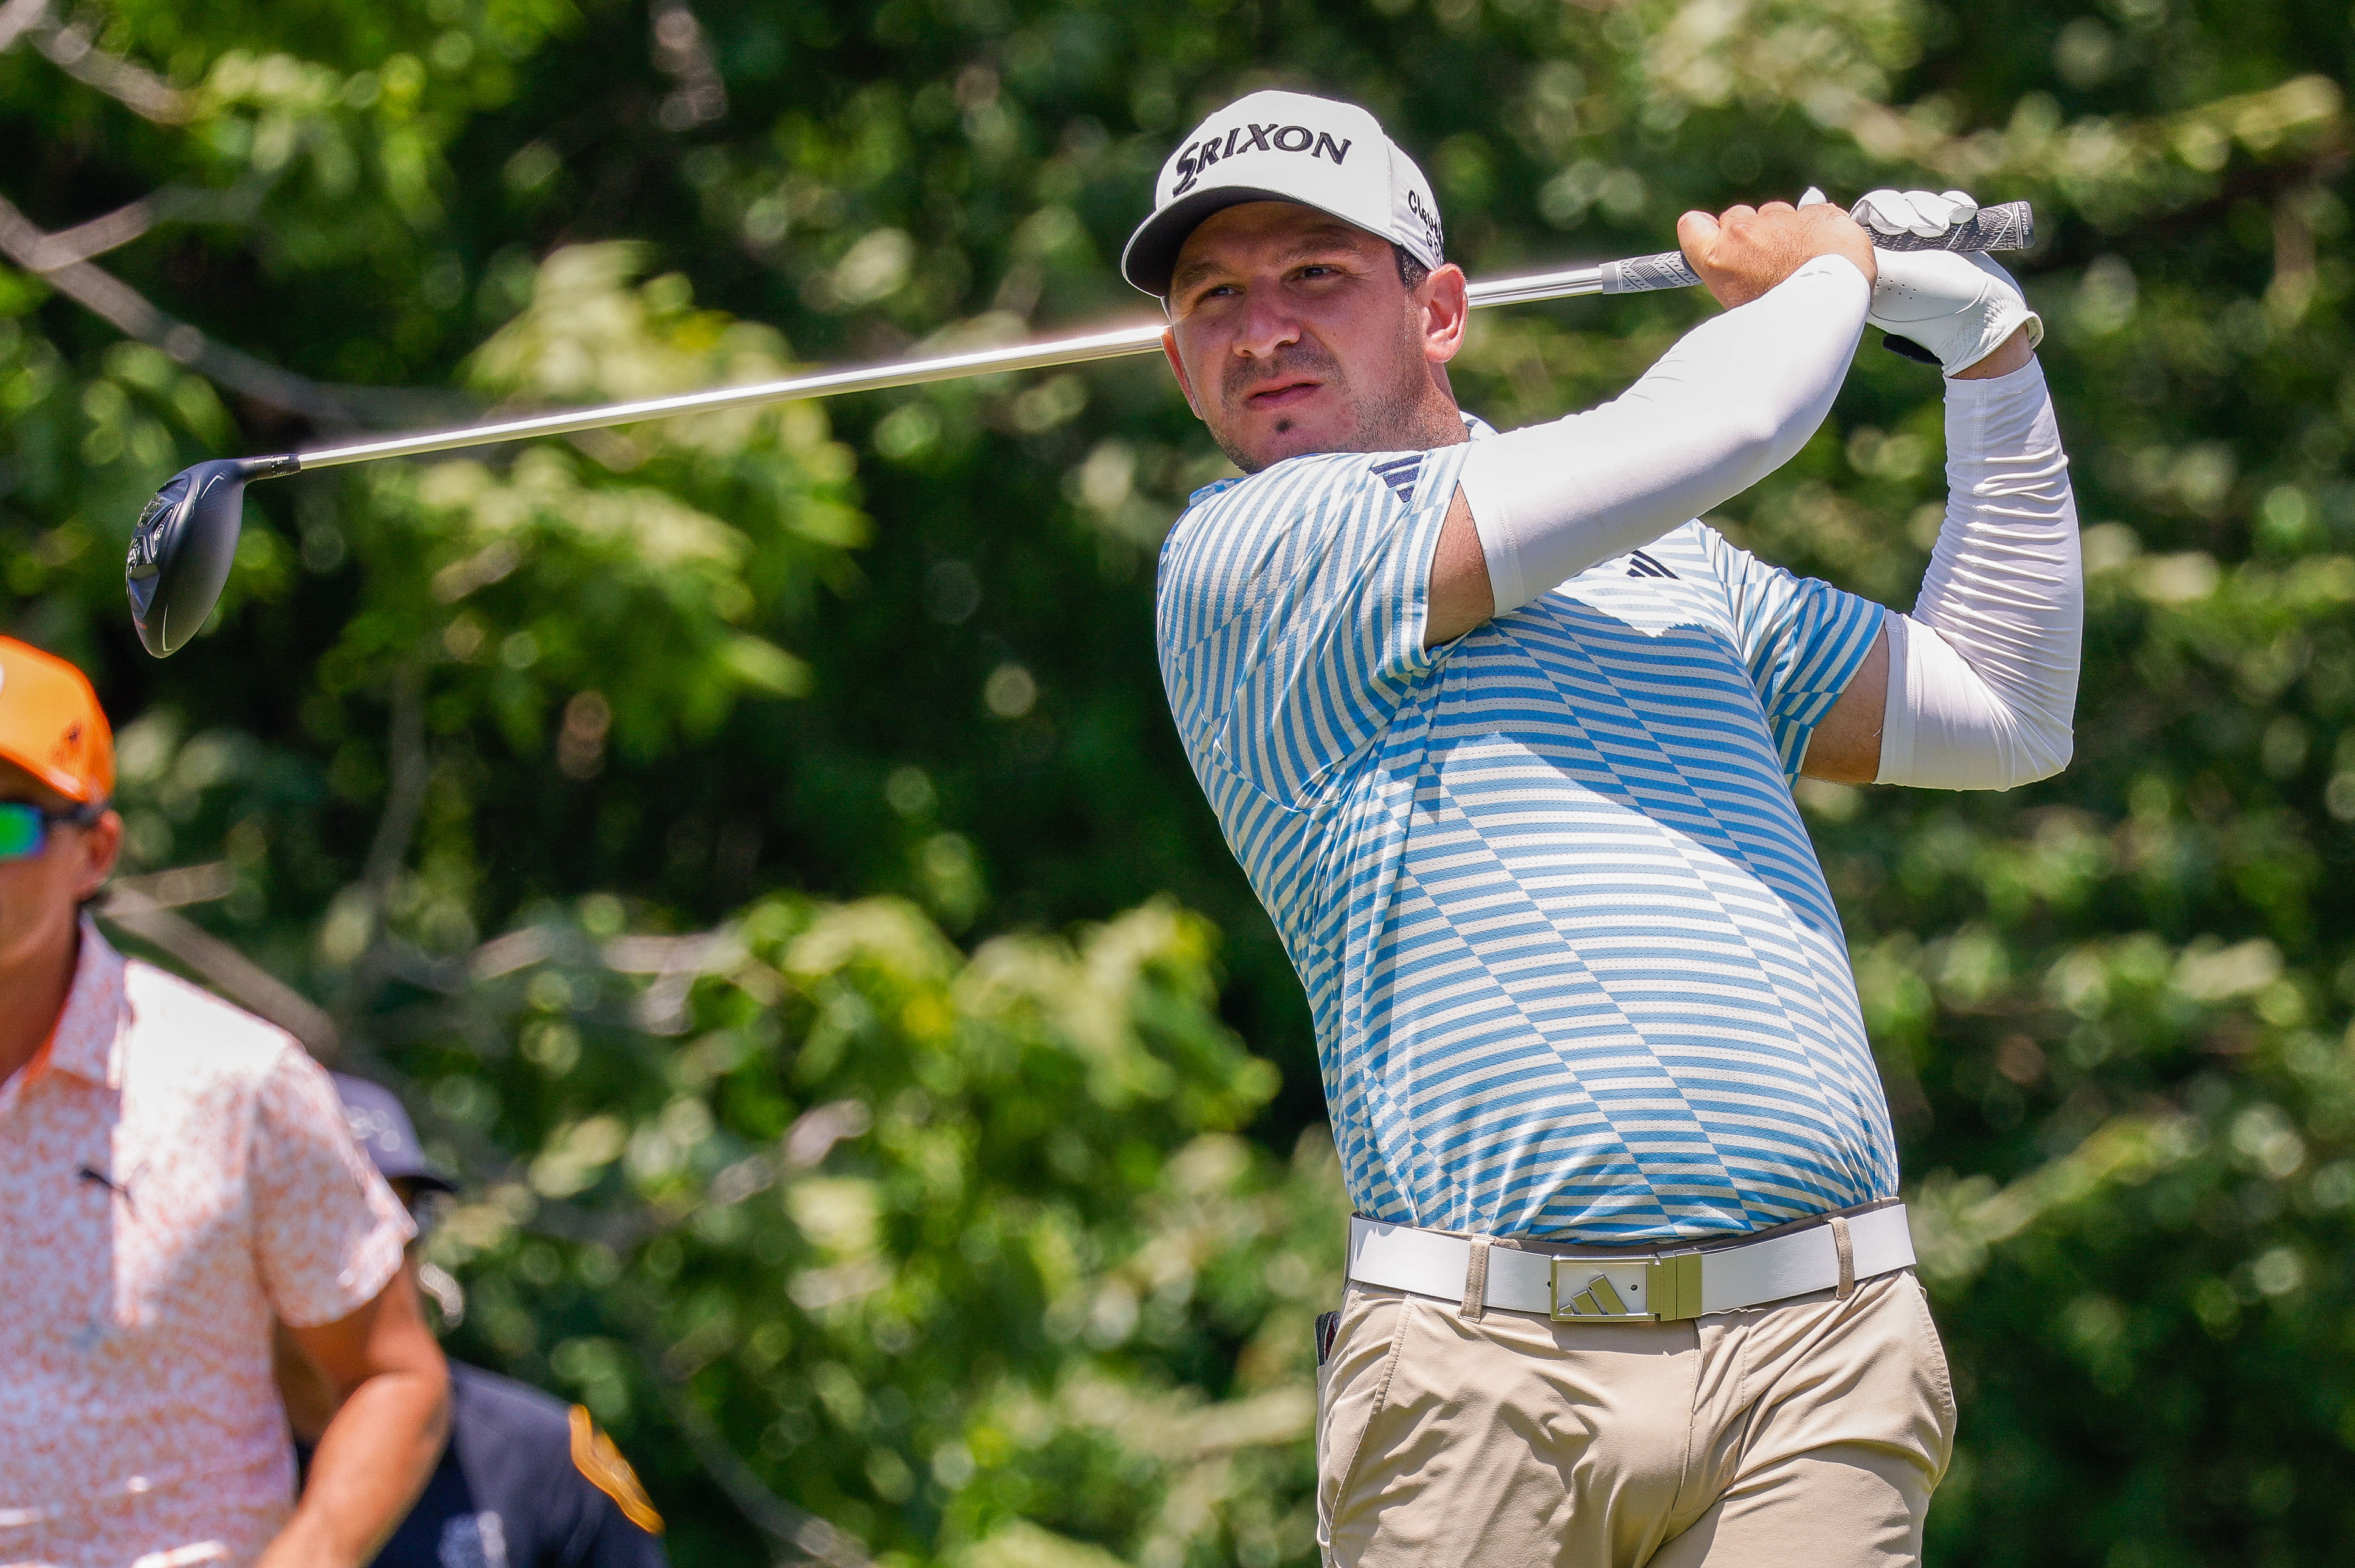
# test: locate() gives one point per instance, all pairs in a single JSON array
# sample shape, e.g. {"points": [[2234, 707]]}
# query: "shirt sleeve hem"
{"points": [[374, 1263], [1443, 476], [1801, 732]]}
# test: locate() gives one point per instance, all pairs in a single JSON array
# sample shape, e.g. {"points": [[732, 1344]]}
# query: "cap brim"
{"points": [[80, 791], [1152, 253]]}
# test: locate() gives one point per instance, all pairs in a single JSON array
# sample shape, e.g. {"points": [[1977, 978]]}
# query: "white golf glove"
{"points": [[1923, 213], [1956, 305]]}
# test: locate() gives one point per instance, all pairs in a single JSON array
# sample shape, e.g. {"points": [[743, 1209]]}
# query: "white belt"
{"points": [[1655, 1287]]}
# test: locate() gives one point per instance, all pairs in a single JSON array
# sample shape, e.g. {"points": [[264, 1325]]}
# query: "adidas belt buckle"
{"points": [[1655, 1290]]}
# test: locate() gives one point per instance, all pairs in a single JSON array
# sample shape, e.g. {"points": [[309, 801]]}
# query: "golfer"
{"points": [[173, 1173], [1505, 741]]}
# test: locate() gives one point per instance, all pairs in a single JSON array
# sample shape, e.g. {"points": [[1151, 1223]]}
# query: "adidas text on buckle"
{"points": [[1654, 1290]]}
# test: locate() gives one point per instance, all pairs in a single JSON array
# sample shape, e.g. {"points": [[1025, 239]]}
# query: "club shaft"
{"points": [[1140, 339], [2007, 226]]}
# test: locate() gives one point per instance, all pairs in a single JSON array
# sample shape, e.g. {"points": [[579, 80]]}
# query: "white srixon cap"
{"points": [[1285, 146]]}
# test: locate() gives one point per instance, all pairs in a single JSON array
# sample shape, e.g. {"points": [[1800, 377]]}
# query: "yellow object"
{"points": [[594, 1456], [51, 725]]}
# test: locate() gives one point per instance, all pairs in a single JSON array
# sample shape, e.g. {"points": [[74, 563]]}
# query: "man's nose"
{"points": [[1269, 324]]}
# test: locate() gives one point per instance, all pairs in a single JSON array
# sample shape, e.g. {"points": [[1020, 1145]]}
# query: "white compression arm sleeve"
{"points": [[1731, 403], [1983, 674]]}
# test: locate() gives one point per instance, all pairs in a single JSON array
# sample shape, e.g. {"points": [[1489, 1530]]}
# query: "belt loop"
{"points": [[1840, 1244], [1476, 1280]]}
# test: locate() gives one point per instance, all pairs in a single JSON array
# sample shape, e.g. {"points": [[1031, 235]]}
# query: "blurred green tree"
{"points": [[622, 797]]}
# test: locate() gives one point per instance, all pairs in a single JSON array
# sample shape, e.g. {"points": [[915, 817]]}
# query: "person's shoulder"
{"points": [[1298, 482], [487, 1403], [178, 1024], [1703, 553], [1237, 529], [543, 1447], [1692, 549]]}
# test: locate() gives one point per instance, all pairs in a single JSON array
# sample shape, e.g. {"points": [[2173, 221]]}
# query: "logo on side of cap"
{"points": [[1429, 219]]}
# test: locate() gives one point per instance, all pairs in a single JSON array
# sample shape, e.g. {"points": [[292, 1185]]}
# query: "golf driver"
{"points": [[186, 537]]}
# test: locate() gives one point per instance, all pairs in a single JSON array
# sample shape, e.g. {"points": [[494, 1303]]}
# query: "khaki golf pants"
{"points": [[1808, 1434]]}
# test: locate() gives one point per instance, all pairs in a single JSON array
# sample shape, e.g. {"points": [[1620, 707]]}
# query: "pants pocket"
{"points": [[1933, 1352], [1354, 1384]]}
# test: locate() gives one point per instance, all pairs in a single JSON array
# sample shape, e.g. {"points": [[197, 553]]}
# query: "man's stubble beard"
{"points": [[1400, 417]]}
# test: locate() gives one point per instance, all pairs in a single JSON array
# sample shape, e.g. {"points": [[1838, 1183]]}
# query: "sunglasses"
{"points": [[25, 827]]}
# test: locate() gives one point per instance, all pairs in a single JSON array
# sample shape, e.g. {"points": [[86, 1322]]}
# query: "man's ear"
{"points": [[100, 843], [1178, 369], [1446, 307]]}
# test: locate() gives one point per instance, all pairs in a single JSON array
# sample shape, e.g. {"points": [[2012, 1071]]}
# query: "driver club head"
{"points": [[183, 544]]}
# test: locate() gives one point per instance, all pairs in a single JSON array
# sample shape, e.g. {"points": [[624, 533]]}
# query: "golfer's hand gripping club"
{"points": [[1953, 309], [186, 538], [2011, 227]]}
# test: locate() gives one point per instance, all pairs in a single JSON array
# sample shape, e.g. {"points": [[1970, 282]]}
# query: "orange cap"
{"points": [[51, 725]]}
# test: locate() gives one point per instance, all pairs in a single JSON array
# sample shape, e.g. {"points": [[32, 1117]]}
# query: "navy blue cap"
{"points": [[381, 1128]]}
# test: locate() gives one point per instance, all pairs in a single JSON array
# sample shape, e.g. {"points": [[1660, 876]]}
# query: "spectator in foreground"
{"points": [[174, 1174], [525, 1481]]}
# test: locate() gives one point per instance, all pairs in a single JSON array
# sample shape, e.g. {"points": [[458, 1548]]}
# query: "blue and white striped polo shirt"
{"points": [[1575, 969]]}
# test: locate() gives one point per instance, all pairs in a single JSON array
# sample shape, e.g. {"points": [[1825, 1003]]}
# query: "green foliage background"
{"points": [[756, 842]]}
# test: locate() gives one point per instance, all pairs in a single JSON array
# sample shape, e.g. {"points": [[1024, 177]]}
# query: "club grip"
{"points": [[1640, 274], [2010, 226]]}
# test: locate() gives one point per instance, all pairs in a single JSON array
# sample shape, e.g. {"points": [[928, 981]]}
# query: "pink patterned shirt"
{"points": [[173, 1172]]}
